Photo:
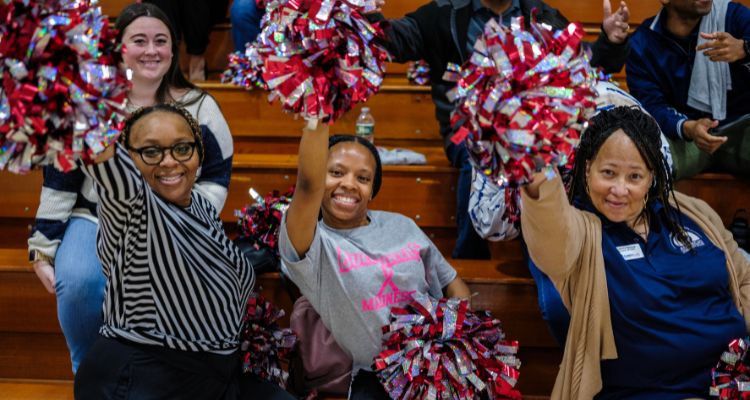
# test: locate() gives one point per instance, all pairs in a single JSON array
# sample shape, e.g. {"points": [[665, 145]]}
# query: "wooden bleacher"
{"points": [[34, 361]]}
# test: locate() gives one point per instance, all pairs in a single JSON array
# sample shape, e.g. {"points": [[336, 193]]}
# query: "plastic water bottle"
{"points": [[366, 125]]}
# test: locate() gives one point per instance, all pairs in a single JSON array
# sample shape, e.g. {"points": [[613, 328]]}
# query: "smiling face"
{"points": [[618, 179], [171, 179], [348, 190], [148, 49]]}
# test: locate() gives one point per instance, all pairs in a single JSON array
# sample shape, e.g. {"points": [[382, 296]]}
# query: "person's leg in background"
{"points": [[468, 243], [688, 159], [245, 16], [79, 287], [172, 9], [734, 155], [198, 17]]}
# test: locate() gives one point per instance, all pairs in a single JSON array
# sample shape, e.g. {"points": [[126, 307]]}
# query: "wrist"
{"points": [[746, 48], [687, 129], [36, 255]]}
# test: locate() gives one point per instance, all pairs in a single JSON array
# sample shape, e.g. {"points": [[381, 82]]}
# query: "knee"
{"points": [[79, 280]]}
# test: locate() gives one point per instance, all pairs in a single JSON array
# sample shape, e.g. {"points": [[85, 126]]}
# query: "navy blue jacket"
{"points": [[659, 69], [437, 33]]}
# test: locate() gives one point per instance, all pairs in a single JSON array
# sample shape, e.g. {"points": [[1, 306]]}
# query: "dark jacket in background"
{"points": [[437, 33]]}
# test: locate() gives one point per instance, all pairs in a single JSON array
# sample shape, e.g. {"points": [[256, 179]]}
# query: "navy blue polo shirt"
{"points": [[672, 310]]}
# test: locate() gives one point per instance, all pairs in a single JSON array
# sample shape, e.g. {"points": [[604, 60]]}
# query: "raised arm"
{"points": [[405, 37], [302, 215], [553, 229]]}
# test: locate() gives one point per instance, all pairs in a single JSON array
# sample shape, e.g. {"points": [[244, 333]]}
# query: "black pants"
{"points": [[193, 20], [117, 369], [366, 386]]}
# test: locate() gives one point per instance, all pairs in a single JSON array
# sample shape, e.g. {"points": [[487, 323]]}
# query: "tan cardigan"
{"points": [[566, 243]]}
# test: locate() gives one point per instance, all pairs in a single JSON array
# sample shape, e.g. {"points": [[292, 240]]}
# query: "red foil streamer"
{"points": [[264, 343], [418, 73], [436, 349], [318, 57], [731, 376], [62, 96], [522, 101], [261, 221]]}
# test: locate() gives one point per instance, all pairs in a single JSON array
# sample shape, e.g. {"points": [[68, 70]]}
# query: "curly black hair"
{"points": [[643, 130], [169, 108], [378, 179]]}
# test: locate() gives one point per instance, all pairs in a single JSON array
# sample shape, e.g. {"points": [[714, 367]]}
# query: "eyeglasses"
{"points": [[154, 155]]}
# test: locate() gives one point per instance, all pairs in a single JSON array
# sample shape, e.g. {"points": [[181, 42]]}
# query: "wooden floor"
{"points": [[63, 390], [35, 390]]}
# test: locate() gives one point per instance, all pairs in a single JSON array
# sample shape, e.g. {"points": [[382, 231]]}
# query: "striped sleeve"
{"points": [[118, 180], [56, 202]]}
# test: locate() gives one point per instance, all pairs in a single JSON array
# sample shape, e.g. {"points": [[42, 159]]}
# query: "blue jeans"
{"points": [[79, 287], [468, 243], [245, 17]]}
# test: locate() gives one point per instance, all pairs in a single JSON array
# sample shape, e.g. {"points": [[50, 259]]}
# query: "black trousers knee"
{"points": [[117, 369]]}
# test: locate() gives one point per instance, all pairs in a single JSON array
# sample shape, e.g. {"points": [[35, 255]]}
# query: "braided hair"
{"points": [[173, 108], [643, 130], [378, 179]]}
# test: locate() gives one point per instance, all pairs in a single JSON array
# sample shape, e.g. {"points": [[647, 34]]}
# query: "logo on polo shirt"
{"points": [[695, 240]]}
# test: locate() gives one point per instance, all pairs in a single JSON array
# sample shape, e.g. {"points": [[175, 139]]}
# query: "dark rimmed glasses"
{"points": [[154, 155]]}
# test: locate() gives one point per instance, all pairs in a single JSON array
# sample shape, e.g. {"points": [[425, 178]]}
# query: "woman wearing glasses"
{"points": [[64, 234], [176, 285]]}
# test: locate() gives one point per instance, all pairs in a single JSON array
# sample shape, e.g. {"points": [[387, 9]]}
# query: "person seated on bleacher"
{"points": [[693, 90], [444, 31], [353, 264], [177, 287], [487, 206], [655, 284], [193, 21], [63, 241]]}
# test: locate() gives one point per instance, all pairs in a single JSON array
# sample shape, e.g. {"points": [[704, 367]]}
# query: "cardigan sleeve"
{"points": [[553, 229]]}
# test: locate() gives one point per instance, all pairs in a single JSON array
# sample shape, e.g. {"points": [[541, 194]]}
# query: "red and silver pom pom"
{"points": [[261, 221], [318, 57], [63, 95], [264, 343], [438, 349], [523, 98], [731, 377], [418, 73]]}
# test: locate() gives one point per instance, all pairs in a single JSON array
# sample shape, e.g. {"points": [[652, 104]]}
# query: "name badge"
{"points": [[631, 252]]}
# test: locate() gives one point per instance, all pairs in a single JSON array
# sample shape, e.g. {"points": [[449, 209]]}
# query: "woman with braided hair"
{"points": [[655, 285], [177, 287]]}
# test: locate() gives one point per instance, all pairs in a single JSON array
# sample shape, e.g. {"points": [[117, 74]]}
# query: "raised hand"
{"points": [[722, 46], [698, 131], [615, 25]]}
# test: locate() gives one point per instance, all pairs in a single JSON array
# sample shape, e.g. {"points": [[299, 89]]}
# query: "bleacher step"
{"points": [[29, 327]]}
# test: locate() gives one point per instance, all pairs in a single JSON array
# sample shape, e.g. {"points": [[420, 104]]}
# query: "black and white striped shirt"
{"points": [[174, 279]]}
